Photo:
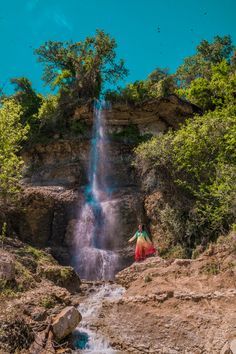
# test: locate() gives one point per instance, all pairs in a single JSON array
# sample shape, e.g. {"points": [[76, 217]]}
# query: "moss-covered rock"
{"points": [[65, 277]]}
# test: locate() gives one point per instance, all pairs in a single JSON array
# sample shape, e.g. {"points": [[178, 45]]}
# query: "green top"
{"points": [[141, 234]]}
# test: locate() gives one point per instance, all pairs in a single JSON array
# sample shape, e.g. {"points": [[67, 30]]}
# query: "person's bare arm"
{"points": [[132, 239]]}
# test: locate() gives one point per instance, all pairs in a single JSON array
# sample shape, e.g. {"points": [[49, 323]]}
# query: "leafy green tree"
{"points": [[29, 100], [162, 88], [221, 48], [82, 66], [48, 114], [199, 65], [158, 74], [132, 93], [12, 133], [217, 91]]}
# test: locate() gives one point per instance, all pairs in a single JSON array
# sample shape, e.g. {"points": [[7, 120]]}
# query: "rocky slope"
{"points": [[176, 306], [37, 300]]}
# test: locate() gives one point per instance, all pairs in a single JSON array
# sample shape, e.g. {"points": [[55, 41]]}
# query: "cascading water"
{"points": [[93, 254], [85, 338]]}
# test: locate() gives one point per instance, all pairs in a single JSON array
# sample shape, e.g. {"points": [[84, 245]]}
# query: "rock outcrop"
{"points": [[65, 277], [175, 306]]}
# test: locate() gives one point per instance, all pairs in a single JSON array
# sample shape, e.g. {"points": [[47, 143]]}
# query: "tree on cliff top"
{"points": [[82, 67]]}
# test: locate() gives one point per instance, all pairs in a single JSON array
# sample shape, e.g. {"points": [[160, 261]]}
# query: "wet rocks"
{"points": [[65, 322]]}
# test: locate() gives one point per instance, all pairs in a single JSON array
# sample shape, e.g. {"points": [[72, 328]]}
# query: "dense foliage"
{"points": [[12, 133], [207, 54], [216, 91], [158, 84], [202, 78], [25, 95], [195, 168]]}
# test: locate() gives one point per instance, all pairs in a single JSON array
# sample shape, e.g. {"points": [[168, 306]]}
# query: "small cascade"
{"points": [[86, 340], [93, 244]]}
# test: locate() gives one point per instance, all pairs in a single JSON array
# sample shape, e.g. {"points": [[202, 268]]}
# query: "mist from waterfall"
{"points": [[93, 239]]}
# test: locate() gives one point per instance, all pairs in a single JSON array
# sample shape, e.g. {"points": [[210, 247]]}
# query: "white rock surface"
{"points": [[65, 322]]}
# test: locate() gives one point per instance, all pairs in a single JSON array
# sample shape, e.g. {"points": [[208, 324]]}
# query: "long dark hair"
{"points": [[142, 227]]}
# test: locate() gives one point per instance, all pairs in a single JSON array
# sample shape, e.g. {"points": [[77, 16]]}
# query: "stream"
{"points": [[85, 337]]}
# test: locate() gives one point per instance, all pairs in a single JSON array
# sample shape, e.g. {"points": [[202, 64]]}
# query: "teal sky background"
{"points": [[149, 33]]}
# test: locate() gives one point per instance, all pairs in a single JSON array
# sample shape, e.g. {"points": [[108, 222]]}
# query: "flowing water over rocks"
{"points": [[86, 337]]}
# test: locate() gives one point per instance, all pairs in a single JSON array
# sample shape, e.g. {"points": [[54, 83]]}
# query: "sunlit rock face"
{"points": [[61, 162], [56, 177], [151, 116]]}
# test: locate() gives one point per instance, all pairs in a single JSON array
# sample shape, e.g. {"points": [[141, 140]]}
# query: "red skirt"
{"points": [[143, 249]]}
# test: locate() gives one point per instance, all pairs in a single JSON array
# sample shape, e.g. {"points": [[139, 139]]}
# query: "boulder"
{"points": [[65, 277], [65, 322], [7, 266]]}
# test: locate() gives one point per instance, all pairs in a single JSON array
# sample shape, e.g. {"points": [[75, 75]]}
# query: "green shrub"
{"points": [[176, 251], [154, 87], [12, 134], [211, 268], [130, 134], [215, 92], [78, 127], [195, 168], [48, 301], [3, 233]]}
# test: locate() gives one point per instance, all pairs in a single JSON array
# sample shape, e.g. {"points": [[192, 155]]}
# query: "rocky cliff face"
{"points": [[151, 117], [55, 175]]}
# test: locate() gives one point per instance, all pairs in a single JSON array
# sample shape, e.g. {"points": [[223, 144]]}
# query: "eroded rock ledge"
{"points": [[152, 116]]}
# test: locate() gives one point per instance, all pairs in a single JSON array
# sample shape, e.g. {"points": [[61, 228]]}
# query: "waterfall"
{"points": [[93, 241]]}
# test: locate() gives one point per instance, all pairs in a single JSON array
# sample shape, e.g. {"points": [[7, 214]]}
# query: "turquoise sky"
{"points": [[149, 33]]}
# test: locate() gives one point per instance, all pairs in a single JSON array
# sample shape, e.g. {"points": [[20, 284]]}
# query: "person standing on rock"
{"points": [[144, 246]]}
